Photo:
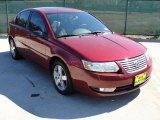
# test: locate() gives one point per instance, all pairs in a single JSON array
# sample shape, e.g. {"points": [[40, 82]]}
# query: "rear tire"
{"points": [[61, 78], [13, 50]]}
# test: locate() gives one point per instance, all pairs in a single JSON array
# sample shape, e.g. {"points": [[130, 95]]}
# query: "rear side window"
{"points": [[22, 18], [36, 23]]}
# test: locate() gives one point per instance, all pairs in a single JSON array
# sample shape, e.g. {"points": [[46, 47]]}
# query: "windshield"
{"points": [[75, 23]]}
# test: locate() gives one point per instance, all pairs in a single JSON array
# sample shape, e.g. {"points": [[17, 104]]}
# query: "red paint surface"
{"points": [[71, 50]]}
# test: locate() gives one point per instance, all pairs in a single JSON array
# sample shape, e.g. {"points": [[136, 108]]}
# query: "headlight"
{"points": [[100, 67]]}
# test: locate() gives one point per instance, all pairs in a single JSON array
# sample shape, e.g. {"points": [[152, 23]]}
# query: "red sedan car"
{"points": [[79, 50]]}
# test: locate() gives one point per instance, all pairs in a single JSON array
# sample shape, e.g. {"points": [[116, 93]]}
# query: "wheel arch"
{"points": [[55, 58]]}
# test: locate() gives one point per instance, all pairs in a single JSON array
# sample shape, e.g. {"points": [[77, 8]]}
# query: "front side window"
{"points": [[36, 23], [75, 23], [22, 18]]}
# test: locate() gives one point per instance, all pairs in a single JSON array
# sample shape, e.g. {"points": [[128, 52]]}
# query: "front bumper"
{"points": [[84, 81]]}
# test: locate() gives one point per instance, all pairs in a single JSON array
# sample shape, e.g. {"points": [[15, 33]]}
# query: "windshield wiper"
{"points": [[66, 36], [96, 32]]}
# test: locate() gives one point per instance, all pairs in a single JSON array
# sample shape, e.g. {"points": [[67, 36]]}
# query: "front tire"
{"points": [[13, 50], [61, 78]]}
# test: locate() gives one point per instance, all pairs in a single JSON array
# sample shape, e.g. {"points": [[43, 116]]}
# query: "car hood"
{"points": [[100, 48]]}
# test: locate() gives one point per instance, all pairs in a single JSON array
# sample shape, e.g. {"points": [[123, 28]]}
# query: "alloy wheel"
{"points": [[60, 77], [13, 49]]}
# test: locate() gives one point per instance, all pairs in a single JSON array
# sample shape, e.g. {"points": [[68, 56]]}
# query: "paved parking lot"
{"points": [[27, 93]]}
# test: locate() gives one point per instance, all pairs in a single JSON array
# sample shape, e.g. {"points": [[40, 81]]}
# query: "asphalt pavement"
{"points": [[27, 93]]}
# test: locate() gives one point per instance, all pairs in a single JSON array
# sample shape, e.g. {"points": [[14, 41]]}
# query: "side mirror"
{"points": [[38, 33], [41, 34]]}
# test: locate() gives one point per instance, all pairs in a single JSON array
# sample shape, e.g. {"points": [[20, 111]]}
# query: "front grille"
{"points": [[134, 64]]}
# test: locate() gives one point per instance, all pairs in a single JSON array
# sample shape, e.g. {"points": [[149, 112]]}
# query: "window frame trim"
{"points": [[19, 14], [27, 26]]}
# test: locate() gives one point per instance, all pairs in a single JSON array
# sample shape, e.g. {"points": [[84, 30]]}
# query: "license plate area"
{"points": [[140, 78]]}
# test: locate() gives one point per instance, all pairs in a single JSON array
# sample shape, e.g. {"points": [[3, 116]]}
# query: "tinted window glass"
{"points": [[75, 23], [22, 18], [36, 23]]}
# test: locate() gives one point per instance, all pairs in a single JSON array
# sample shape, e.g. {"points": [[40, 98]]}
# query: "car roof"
{"points": [[56, 9]]}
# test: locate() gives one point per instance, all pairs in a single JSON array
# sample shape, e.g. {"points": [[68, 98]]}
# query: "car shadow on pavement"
{"points": [[30, 87]]}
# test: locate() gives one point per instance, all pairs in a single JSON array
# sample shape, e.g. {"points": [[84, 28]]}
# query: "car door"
{"points": [[37, 39], [20, 31]]}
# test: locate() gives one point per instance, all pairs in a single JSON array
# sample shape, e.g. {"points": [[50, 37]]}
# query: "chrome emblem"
{"points": [[136, 63]]}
